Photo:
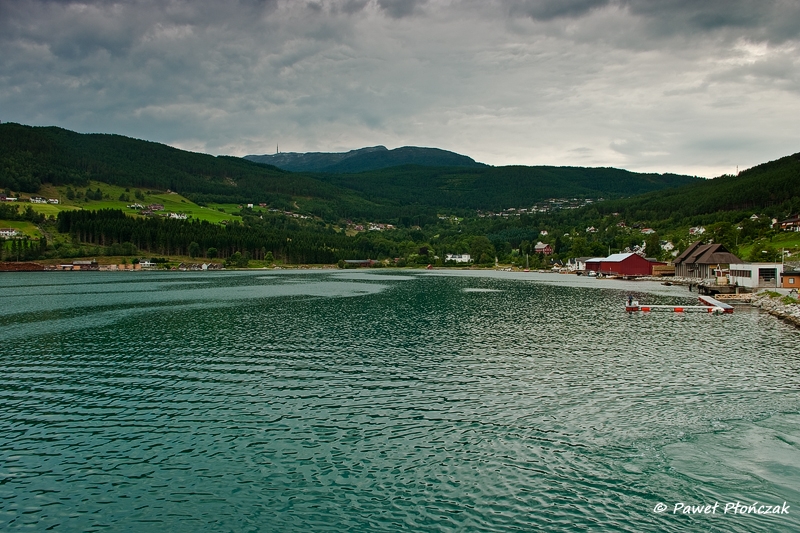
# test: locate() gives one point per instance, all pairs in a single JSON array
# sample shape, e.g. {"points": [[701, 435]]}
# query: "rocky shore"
{"points": [[778, 306]]}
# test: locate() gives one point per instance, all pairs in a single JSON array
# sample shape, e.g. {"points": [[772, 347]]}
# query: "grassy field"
{"points": [[28, 228], [786, 240], [172, 202]]}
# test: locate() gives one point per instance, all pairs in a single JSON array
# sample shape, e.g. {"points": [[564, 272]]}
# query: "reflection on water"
{"points": [[378, 401]]}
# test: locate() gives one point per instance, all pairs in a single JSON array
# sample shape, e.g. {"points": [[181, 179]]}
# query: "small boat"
{"points": [[667, 283]]}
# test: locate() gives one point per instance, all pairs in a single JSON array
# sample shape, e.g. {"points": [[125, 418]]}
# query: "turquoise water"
{"points": [[384, 401]]}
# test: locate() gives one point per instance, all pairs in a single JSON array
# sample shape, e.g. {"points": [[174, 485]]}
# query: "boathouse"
{"points": [[359, 263], [593, 264], [755, 275], [629, 264], [701, 260]]}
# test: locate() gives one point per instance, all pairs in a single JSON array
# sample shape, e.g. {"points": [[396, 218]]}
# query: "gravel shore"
{"points": [[777, 307]]}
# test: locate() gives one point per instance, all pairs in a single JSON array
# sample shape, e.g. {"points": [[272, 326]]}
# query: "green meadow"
{"points": [[28, 228], [785, 240], [172, 202]]}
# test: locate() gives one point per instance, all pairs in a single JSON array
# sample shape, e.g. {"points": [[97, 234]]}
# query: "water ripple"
{"points": [[377, 402]]}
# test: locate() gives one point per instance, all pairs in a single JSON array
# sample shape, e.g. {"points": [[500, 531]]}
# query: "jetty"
{"points": [[707, 305]]}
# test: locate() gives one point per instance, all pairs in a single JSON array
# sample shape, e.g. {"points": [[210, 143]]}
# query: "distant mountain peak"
{"points": [[364, 159]]}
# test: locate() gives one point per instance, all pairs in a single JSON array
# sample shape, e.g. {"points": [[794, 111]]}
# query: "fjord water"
{"points": [[387, 400]]}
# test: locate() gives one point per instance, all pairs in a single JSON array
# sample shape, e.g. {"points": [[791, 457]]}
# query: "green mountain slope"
{"points": [[31, 156], [772, 186], [500, 187]]}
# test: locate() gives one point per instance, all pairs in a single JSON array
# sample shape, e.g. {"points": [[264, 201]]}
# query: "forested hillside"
{"points": [[417, 214], [31, 156], [500, 187], [773, 187]]}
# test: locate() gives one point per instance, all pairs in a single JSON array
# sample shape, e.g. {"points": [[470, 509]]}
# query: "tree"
{"points": [[481, 249], [194, 249], [211, 253], [239, 260]]}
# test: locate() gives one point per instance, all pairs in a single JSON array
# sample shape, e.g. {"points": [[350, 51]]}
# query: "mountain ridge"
{"points": [[364, 159]]}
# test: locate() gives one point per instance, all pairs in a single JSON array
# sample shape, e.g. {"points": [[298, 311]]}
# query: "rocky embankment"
{"points": [[778, 306], [20, 267]]}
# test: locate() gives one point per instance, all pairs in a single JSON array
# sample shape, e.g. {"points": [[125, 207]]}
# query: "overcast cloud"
{"points": [[686, 86]]}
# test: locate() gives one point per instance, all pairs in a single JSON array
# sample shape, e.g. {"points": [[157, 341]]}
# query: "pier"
{"points": [[707, 305]]}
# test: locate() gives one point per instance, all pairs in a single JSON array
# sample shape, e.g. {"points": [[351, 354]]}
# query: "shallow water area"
{"points": [[385, 400]]}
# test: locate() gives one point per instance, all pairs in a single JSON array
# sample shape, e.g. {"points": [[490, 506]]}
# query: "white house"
{"points": [[578, 263], [458, 258], [8, 233], [755, 275]]}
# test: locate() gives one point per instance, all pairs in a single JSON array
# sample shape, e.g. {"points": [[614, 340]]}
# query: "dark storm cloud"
{"points": [[652, 85], [765, 20], [770, 20], [400, 8], [552, 9]]}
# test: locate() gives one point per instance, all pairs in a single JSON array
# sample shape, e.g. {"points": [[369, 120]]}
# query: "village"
{"points": [[547, 206]]}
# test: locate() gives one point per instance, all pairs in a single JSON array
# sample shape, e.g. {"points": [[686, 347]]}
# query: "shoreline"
{"points": [[789, 313], [770, 302]]}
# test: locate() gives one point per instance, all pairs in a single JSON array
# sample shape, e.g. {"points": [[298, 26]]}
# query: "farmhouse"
{"points": [[790, 224], [458, 258]]}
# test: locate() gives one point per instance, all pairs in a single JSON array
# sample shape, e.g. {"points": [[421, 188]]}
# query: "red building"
{"points": [[627, 265], [542, 248], [593, 264]]}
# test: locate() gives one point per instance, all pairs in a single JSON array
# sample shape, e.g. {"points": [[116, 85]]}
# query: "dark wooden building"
{"points": [[701, 260]]}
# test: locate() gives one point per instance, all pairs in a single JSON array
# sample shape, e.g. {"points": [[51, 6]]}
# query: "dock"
{"points": [[707, 305]]}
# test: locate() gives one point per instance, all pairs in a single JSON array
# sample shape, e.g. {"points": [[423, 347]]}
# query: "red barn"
{"points": [[627, 265]]}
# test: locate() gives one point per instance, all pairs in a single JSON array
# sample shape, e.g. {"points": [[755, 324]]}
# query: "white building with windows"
{"points": [[458, 258], [755, 275]]}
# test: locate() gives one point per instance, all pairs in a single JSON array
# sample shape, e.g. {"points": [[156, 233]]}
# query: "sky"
{"points": [[697, 87]]}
